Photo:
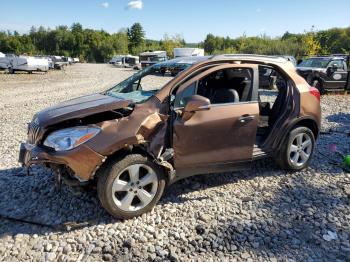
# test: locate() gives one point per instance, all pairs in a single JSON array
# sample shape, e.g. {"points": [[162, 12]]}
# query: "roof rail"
{"points": [[280, 59]]}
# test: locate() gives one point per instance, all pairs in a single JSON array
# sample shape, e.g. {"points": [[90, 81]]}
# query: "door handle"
{"points": [[246, 118]]}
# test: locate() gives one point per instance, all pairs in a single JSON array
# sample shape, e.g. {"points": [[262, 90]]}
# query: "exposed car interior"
{"points": [[231, 85], [272, 96]]}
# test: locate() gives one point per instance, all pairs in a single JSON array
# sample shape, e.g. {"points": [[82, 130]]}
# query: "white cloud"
{"points": [[105, 4], [135, 4]]}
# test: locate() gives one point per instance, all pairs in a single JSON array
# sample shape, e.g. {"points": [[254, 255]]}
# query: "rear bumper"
{"points": [[82, 160]]}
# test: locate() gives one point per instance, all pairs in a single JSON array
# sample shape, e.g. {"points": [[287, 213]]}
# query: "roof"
{"points": [[252, 57], [153, 53], [329, 56]]}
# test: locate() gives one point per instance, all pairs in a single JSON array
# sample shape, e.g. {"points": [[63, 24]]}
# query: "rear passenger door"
{"points": [[220, 135]]}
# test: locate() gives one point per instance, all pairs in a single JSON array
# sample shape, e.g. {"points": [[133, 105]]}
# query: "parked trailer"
{"points": [[27, 64], [127, 61], [151, 58], [188, 52], [51, 63], [58, 62]]}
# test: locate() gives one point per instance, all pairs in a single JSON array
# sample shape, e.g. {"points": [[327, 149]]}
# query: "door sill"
{"points": [[259, 153]]}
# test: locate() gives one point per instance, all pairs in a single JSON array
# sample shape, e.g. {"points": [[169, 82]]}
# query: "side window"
{"points": [[338, 63], [229, 85], [224, 86], [183, 96]]}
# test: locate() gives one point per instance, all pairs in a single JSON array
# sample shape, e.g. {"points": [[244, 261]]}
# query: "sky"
{"points": [[193, 19]]}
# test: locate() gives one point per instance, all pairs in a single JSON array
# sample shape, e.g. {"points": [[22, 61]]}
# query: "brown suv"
{"points": [[152, 129]]}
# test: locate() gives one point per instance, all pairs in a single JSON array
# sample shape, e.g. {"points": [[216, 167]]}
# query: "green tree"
{"points": [[169, 43], [136, 37], [209, 44]]}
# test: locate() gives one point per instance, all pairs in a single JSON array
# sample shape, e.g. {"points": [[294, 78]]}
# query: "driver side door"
{"points": [[216, 137], [336, 74]]}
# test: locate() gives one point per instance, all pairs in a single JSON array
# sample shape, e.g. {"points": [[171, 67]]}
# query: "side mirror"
{"points": [[197, 103]]}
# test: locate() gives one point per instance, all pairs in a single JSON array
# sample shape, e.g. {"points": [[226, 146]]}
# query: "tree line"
{"points": [[87, 44], [99, 46], [331, 41]]}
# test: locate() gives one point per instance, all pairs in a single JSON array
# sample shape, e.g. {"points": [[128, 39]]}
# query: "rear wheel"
{"points": [[130, 186], [297, 149], [11, 70]]}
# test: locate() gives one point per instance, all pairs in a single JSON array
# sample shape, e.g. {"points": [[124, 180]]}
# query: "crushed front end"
{"points": [[80, 162]]}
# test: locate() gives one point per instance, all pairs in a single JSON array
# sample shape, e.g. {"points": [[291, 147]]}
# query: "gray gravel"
{"points": [[260, 215]]}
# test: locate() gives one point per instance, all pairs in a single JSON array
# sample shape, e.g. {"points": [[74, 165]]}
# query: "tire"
{"points": [[126, 201], [318, 84], [295, 156], [11, 70]]}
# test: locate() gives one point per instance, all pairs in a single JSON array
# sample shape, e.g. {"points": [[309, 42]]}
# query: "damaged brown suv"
{"points": [[219, 114]]}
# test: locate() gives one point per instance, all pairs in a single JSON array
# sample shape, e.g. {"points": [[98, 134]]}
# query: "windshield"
{"points": [[140, 86], [320, 62]]}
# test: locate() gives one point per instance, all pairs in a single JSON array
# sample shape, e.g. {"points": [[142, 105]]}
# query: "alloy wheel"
{"points": [[135, 187], [300, 149]]}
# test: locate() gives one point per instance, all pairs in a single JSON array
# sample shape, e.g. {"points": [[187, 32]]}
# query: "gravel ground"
{"points": [[264, 214]]}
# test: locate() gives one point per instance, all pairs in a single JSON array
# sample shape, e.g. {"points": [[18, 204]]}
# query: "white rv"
{"points": [[27, 64], [152, 58], [127, 61], [187, 52]]}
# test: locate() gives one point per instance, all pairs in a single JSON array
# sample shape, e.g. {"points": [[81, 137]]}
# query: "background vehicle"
{"points": [[326, 72], [126, 61], [115, 59], [152, 58], [176, 65], [142, 134], [58, 62], [4, 61], [28, 64], [185, 52]]}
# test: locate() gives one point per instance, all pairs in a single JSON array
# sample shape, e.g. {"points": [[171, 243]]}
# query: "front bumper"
{"points": [[82, 160]]}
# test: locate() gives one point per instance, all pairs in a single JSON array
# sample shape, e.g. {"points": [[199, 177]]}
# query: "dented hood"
{"points": [[78, 108]]}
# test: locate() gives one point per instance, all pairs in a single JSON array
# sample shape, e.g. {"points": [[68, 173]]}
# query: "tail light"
{"points": [[314, 91]]}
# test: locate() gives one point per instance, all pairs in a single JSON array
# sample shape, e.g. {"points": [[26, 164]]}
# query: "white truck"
{"points": [[188, 52], [27, 63]]}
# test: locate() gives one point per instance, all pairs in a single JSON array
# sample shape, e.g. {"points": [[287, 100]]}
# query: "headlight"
{"points": [[69, 138]]}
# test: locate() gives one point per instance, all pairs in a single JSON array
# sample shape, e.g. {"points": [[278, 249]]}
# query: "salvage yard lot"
{"points": [[263, 214]]}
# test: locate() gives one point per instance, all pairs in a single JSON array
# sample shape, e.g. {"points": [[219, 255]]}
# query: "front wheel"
{"points": [[297, 149], [130, 186]]}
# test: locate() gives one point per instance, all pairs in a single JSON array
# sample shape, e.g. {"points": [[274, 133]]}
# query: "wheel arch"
{"points": [[308, 122], [135, 149]]}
